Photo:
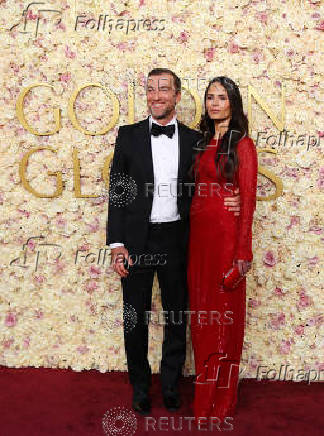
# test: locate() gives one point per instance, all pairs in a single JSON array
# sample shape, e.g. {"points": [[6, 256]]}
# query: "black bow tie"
{"points": [[157, 130]]}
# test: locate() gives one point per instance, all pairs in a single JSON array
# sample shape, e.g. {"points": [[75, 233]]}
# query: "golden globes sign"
{"points": [[131, 119]]}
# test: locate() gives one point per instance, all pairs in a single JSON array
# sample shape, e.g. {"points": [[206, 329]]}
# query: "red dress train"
{"points": [[217, 237]]}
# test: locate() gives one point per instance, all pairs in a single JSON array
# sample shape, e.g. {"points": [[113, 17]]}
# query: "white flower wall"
{"points": [[60, 302]]}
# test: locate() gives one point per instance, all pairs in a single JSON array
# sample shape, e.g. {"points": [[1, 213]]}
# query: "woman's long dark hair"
{"points": [[226, 159]]}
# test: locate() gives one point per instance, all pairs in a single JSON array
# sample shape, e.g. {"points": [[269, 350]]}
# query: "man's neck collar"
{"points": [[172, 121]]}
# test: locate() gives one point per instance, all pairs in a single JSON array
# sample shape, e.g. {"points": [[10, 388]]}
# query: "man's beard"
{"points": [[166, 112]]}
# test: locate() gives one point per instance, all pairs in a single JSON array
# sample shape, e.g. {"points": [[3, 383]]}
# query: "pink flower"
{"points": [[94, 227], [316, 229], [122, 45], [141, 3], [269, 259], [299, 330], [262, 17], [278, 291], [83, 349], [178, 19], [304, 300], [285, 347], [7, 343], [278, 321], [10, 320], [320, 184], [257, 56], [61, 26], [59, 266], [294, 220], [184, 36], [26, 342], [254, 303], [91, 286], [65, 77], [39, 314], [39, 279], [209, 54], [233, 47], [94, 271], [312, 261], [253, 363], [30, 15], [320, 26], [69, 53], [290, 52], [60, 222], [15, 67], [316, 321], [24, 212]]}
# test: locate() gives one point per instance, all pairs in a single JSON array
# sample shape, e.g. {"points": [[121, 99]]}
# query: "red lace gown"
{"points": [[217, 237]]}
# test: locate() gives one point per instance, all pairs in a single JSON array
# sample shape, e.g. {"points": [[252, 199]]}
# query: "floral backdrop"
{"points": [[60, 300]]}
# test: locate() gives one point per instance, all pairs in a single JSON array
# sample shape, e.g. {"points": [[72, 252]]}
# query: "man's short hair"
{"points": [[159, 71]]}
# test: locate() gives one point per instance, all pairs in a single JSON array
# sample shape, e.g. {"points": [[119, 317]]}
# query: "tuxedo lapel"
{"points": [[144, 142], [145, 147], [184, 150]]}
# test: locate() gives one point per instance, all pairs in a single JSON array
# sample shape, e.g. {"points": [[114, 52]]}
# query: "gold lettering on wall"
{"points": [[23, 169], [131, 103], [77, 176], [278, 123], [198, 106], [106, 169], [270, 175], [131, 119], [21, 115], [72, 115]]}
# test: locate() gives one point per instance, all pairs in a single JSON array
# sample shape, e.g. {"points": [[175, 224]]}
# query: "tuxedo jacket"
{"points": [[132, 183]]}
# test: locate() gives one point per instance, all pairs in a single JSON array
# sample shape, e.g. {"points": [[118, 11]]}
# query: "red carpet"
{"points": [[60, 402]]}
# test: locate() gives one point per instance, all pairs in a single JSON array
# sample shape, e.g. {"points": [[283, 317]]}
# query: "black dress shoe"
{"points": [[142, 405], [171, 400]]}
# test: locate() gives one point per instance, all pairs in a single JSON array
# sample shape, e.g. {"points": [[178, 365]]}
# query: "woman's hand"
{"points": [[243, 266]]}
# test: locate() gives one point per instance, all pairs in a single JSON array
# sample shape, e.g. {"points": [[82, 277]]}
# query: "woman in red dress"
{"points": [[219, 240]]}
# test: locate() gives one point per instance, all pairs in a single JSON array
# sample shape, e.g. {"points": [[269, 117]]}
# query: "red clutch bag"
{"points": [[232, 278]]}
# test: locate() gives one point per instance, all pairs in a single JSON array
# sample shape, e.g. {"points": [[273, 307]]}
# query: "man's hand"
{"points": [[233, 203], [118, 255]]}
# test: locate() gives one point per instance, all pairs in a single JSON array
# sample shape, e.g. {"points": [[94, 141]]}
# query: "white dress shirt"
{"points": [[165, 155]]}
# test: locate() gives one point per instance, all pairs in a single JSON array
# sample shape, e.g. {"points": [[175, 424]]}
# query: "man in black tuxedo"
{"points": [[148, 224]]}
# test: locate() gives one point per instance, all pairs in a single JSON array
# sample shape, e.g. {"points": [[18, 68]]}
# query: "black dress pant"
{"points": [[164, 253]]}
